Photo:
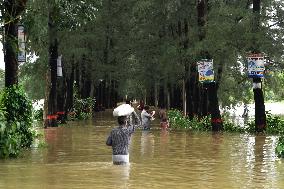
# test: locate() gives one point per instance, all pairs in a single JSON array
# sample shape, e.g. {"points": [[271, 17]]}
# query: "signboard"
{"points": [[59, 66], [21, 44], [255, 66], [205, 70]]}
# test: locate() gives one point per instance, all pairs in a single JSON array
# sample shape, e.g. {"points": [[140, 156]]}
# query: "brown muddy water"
{"points": [[77, 157]]}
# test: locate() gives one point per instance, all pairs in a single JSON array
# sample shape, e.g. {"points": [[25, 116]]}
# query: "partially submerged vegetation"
{"points": [[16, 131], [109, 54], [275, 126]]}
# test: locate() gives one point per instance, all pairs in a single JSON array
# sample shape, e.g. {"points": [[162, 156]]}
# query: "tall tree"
{"points": [[260, 116], [12, 13], [53, 55]]}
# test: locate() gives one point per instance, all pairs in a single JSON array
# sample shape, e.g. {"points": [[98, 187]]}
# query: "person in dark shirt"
{"points": [[119, 139]]}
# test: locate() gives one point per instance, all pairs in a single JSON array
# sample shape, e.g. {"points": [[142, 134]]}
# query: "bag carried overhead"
{"points": [[123, 110]]}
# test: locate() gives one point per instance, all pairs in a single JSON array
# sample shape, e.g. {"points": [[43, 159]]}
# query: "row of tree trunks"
{"points": [[106, 94]]}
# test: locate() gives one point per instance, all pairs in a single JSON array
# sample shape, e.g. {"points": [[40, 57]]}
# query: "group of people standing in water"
{"points": [[119, 137]]}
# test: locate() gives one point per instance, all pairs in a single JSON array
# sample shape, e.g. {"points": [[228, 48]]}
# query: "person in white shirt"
{"points": [[146, 118]]}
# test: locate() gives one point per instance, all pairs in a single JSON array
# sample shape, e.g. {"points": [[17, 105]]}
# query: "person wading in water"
{"points": [[119, 138]]}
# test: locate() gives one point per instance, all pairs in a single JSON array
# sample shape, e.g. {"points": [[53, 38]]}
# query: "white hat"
{"points": [[123, 110]]}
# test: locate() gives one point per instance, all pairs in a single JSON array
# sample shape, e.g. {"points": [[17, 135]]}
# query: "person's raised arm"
{"points": [[109, 140], [137, 121]]}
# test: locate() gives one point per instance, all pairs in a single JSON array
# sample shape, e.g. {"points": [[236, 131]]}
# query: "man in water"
{"points": [[119, 139]]}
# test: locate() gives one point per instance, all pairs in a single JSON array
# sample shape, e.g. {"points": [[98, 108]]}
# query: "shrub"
{"points": [[274, 124], [82, 108], [279, 150], [179, 121], [16, 122], [38, 114]]}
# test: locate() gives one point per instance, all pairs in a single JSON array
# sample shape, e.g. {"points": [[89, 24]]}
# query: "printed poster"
{"points": [[256, 66], [21, 44], [205, 70]]}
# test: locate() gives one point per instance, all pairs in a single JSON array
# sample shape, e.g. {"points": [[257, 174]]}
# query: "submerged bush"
{"points": [[179, 121], [38, 114], [279, 150], [233, 128], [274, 124], [82, 108], [16, 122]]}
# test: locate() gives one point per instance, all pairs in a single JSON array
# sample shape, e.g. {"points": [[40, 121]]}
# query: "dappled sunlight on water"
{"points": [[77, 157]]}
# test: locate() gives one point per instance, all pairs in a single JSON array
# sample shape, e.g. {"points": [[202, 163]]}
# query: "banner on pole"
{"points": [[255, 66], [205, 70], [21, 44]]}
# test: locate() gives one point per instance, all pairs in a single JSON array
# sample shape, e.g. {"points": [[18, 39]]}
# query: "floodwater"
{"points": [[77, 157]]}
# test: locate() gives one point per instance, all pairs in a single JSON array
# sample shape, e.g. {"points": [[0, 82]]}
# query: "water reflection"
{"points": [[147, 144], [77, 157]]}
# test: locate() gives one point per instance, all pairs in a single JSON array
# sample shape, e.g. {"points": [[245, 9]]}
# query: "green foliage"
{"points": [[232, 128], [33, 78], [274, 124], [146, 41], [16, 122], [38, 114], [274, 85], [10, 139], [2, 78], [39, 138], [179, 121], [82, 108], [279, 150]]}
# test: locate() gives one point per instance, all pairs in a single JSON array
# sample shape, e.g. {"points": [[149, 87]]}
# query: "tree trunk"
{"points": [[46, 98], [216, 120], [184, 97], [168, 98], [192, 92], [69, 91], [204, 100], [156, 86], [53, 54], [260, 116], [12, 11], [161, 98], [61, 100], [62, 97], [10, 55], [199, 92], [196, 97]]}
